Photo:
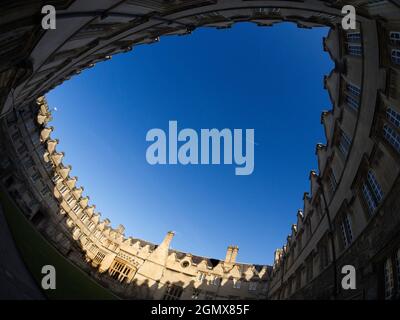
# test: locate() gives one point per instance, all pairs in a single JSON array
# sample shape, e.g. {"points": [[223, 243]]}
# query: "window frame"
{"points": [[395, 57]]}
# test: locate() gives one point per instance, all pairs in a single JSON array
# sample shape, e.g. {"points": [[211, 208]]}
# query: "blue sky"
{"points": [[269, 79]]}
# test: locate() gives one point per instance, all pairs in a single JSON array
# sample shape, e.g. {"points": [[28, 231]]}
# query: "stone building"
{"points": [[350, 214], [42, 186]]}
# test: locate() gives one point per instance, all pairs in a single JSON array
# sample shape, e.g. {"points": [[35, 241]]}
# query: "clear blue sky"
{"points": [[269, 79]]}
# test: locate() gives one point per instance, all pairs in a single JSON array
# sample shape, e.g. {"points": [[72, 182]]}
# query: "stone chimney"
{"points": [[167, 240], [120, 229], [231, 254]]}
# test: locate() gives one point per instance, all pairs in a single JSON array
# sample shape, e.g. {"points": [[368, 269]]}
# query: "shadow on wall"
{"points": [[176, 291]]}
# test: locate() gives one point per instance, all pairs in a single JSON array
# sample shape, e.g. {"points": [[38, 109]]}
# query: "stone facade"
{"points": [[350, 215], [43, 188]]}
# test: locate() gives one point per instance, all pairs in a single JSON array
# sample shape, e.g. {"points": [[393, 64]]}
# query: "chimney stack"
{"points": [[167, 240], [231, 254]]}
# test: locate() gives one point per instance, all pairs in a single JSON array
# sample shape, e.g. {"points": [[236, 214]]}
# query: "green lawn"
{"points": [[71, 282]]}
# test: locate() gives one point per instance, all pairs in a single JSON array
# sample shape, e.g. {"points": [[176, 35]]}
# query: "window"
{"points": [[252, 286], [388, 273], [332, 182], [99, 257], [76, 208], [93, 248], [390, 133], [201, 276], [352, 102], [45, 191], [368, 198], [392, 83], [352, 89], [394, 37], [63, 189], [35, 177], [372, 192], [236, 283], [352, 94], [56, 178], [344, 144], [353, 37], [347, 234], [195, 294], [173, 292], [393, 117], [392, 137], [36, 141], [30, 125], [185, 264], [376, 188], [119, 271], [396, 56], [49, 165], [70, 199], [354, 50], [216, 280], [123, 254]]}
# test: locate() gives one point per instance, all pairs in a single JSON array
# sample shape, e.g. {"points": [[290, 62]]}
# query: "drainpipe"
{"points": [[335, 291]]}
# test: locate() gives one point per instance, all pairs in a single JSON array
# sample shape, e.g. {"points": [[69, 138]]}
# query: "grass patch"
{"points": [[71, 282]]}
